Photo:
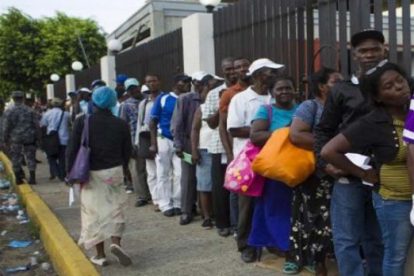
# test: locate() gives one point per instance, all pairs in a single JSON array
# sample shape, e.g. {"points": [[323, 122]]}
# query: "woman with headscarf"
{"points": [[103, 200]]}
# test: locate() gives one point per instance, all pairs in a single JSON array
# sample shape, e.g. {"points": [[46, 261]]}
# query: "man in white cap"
{"points": [[242, 109]]}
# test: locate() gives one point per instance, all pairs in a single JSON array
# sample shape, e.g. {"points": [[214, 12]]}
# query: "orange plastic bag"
{"points": [[280, 160]]}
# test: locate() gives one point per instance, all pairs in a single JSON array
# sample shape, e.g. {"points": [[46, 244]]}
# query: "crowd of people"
{"points": [[172, 149]]}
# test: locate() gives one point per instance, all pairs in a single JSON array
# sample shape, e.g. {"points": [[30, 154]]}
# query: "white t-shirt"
{"points": [[205, 134], [242, 109]]}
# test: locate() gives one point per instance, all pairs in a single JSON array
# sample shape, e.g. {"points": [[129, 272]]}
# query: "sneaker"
{"points": [[207, 224], [99, 262], [120, 254], [129, 190], [290, 268]]}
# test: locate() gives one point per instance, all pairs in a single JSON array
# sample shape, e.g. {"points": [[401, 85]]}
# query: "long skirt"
{"points": [[103, 205], [311, 237], [271, 217]]}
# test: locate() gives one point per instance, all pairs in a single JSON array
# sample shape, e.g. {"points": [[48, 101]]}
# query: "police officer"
{"points": [[20, 132]]}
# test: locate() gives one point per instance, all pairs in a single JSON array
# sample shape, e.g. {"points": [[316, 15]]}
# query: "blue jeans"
{"points": [[354, 224], [234, 210], [397, 232]]}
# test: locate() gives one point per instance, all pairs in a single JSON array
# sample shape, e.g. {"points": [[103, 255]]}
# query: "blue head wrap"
{"points": [[104, 97]]}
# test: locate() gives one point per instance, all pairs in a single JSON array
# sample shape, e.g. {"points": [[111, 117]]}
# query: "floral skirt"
{"points": [[103, 205], [311, 235]]}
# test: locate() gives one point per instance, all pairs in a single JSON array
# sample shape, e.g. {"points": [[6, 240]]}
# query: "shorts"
{"points": [[203, 172]]}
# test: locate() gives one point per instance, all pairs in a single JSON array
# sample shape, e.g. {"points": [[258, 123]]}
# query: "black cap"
{"points": [[357, 38], [182, 77]]}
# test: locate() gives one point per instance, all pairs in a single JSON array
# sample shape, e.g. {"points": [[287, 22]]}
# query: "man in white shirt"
{"points": [[242, 109]]}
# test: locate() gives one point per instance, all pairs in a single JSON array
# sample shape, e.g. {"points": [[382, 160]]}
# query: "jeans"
{"points": [[354, 224], [397, 232], [57, 164]]}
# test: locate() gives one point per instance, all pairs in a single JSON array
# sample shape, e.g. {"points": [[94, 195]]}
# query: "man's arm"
{"points": [[195, 136], [153, 131], [410, 165], [328, 125], [225, 137]]}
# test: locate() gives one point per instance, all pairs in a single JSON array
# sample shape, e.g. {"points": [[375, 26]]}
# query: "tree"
{"points": [[30, 49]]}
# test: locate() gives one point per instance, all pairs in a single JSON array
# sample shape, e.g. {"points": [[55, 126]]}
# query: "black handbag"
{"points": [[144, 140], [51, 142]]}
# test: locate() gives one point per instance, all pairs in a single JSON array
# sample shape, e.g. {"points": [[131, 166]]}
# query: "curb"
{"points": [[66, 256]]}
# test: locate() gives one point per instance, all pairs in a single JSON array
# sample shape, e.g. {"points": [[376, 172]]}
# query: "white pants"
{"points": [[132, 165], [168, 175], [152, 180]]}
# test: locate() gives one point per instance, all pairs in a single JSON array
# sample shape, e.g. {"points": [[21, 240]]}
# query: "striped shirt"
{"points": [[408, 134]]}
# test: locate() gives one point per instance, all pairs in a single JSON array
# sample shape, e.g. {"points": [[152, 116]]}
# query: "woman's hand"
{"points": [[370, 176], [195, 157]]}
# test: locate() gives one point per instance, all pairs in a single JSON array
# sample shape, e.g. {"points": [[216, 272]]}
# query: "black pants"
{"points": [[57, 163], [141, 187], [246, 208], [221, 204], [188, 187]]}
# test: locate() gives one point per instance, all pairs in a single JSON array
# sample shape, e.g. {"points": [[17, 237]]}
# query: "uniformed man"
{"points": [[20, 133]]}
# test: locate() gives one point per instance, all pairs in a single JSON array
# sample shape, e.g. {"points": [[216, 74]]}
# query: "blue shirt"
{"points": [[51, 120], [162, 110], [310, 112], [280, 117]]}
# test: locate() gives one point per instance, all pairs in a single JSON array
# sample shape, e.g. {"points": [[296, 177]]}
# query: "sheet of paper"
{"points": [[187, 158]]}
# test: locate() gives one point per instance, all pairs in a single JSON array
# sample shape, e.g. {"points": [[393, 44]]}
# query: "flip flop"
{"points": [[120, 254], [290, 268]]}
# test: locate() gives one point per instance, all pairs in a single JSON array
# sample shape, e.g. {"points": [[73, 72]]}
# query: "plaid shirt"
{"points": [[210, 108], [408, 134], [128, 111]]}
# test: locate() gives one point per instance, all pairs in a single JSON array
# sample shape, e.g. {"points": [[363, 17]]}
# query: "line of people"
{"points": [[173, 149]]}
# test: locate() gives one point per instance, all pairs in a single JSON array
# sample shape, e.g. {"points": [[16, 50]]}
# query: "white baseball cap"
{"points": [[263, 63], [199, 75], [144, 88]]}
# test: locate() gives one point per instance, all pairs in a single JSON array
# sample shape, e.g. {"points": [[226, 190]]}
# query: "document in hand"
{"points": [[361, 161]]}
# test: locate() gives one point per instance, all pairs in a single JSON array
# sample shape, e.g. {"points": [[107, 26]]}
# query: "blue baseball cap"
{"points": [[121, 78]]}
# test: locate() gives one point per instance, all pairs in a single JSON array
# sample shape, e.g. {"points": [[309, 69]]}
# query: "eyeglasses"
{"points": [[379, 65]]}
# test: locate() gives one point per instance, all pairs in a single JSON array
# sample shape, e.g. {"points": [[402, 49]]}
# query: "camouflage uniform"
{"points": [[20, 129]]}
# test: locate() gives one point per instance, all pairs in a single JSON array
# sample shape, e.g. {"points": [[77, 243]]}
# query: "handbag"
{"points": [[240, 178], [280, 160], [80, 169], [51, 141], [144, 141]]}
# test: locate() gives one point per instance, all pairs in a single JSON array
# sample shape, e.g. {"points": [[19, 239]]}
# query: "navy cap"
{"points": [[96, 83]]}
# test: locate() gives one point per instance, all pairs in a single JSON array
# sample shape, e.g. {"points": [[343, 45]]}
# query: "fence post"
{"points": [[50, 91], [70, 83], [198, 43], [108, 73]]}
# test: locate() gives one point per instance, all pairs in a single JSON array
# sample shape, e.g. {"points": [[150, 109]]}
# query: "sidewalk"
{"points": [[158, 245]]}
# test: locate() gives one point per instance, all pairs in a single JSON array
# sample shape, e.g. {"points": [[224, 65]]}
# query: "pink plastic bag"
{"points": [[240, 177]]}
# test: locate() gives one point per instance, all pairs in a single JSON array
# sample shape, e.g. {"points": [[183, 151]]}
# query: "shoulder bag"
{"points": [[79, 173], [51, 141]]}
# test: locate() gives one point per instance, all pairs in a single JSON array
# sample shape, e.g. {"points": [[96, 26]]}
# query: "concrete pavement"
{"points": [[158, 245]]}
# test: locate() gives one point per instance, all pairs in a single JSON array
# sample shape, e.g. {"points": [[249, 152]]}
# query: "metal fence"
{"points": [[162, 56], [304, 34]]}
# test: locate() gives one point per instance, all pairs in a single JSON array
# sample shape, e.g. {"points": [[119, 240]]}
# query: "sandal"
{"points": [[290, 268], [120, 254], [100, 261]]}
